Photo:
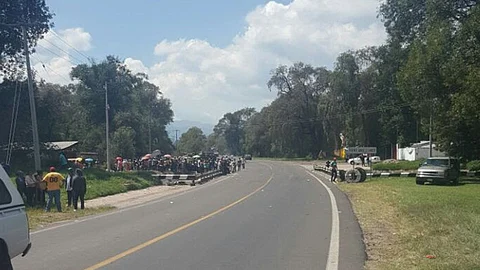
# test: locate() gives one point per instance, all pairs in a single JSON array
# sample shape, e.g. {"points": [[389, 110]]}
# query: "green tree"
{"points": [[123, 142], [133, 102], [192, 141], [36, 17], [231, 128]]}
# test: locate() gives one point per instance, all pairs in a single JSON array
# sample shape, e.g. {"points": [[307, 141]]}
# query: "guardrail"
{"points": [[342, 173], [192, 179]]}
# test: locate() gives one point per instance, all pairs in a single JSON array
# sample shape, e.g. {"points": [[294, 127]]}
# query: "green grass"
{"points": [[99, 184], [404, 222], [401, 165]]}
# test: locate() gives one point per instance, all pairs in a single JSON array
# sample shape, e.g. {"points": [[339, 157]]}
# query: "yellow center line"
{"points": [[172, 232]]}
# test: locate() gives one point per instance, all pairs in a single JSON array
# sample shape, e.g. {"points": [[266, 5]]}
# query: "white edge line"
{"points": [[75, 221], [334, 249]]}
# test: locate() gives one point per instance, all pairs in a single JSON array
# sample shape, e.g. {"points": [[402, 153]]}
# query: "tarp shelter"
{"points": [[68, 147]]}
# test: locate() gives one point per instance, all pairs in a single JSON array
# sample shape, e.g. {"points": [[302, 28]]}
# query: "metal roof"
{"points": [[61, 145]]}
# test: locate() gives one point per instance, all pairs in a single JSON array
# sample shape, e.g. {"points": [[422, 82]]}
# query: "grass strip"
{"points": [[403, 223]]}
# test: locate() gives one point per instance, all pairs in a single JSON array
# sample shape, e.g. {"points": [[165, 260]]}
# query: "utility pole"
{"points": [[33, 111], [107, 107], [150, 131], [176, 137], [430, 144]]}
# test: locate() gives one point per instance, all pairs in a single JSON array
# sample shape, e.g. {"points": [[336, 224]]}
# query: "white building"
{"points": [[417, 151]]}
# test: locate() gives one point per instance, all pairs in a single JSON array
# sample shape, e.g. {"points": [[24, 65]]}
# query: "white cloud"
{"points": [[136, 66], [57, 53], [204, 81]]}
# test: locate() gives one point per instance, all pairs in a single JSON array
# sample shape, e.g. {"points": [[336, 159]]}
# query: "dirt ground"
{"points": [[136, 197]]}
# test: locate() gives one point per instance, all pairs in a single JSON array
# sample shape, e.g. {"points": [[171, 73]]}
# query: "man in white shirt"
{"points": [[69, 187]]}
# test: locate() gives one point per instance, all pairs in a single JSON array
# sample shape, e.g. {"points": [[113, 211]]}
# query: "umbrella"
{"points": [[156, 153], [167, 156], [145, 158], [79, 159], [196, 156], [119, 158], [89, 160]]}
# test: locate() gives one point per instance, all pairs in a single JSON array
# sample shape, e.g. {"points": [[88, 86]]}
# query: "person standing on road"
{"points": [[79, 189], [40, 188], [31, 188], [69, 187], [21, 186], [334, 170], [54, 181]]}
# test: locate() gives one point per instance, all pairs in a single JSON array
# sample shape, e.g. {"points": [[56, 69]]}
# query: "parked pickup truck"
{"points": [[439, 170], [14, 231]]}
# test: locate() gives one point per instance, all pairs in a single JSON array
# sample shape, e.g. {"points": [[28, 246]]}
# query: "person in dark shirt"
{"points": [[334, 170], [79, 189]]}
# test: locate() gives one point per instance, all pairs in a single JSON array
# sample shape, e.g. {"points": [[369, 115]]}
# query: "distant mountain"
{"points": [[183, 125]]}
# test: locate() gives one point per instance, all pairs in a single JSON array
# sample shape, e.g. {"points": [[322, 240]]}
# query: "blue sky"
{"points": [[208, 57], [126, 28]]}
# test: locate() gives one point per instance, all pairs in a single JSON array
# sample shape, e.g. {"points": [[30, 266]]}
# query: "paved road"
{"points": [[273, 215]]}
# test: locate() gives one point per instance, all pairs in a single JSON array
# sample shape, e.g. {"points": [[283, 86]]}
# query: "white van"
{"points": [[14, 230]]}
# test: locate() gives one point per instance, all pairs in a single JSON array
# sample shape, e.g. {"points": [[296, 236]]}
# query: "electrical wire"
{"points": [[56, 73], [13, 123], [53, 44], [60, 56], [69, 45]]}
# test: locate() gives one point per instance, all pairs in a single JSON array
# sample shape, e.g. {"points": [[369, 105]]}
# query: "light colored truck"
{"points": [[439, 170], [14, 230]]}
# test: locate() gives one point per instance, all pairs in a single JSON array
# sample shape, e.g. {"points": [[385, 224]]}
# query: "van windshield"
{"points": [[436, 162]]}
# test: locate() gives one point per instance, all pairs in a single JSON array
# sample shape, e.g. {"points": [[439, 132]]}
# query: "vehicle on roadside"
{"points": [[358, 160], [355, 161], [14, 230], [248, 157], [375, 159], [439, 170]]}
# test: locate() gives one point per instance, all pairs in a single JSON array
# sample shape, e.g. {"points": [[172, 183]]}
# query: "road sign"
{"points": [[361, 150]]}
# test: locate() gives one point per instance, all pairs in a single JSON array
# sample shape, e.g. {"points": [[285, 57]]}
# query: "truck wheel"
{"points": [[363, 174], [5, 262], [420, 182], [455, 182], [353, 176]]}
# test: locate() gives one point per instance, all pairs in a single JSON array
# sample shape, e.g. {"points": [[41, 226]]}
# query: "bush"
{"points": [[473, 165], [401, 165]]}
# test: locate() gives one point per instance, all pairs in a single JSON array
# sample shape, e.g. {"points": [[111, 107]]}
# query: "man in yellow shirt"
{"points": [[54, 182]]}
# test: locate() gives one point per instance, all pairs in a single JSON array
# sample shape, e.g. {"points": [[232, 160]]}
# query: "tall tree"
{"points": [[231, 128], [193, 141], [34, 15]]}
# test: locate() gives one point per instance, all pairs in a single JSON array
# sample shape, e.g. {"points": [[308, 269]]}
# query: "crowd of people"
{"points": [[39, 190], [181, 164], [44, 190]]}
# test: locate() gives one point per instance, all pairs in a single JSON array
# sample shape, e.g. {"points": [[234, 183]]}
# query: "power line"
{"points": [[69, 45], [20, 24], [52, 70], [53, 44], [60, 56]]}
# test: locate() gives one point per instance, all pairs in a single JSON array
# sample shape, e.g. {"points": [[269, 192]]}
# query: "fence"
{"points": [[192, 179]]}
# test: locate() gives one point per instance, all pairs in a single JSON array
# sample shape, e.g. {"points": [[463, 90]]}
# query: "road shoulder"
{"points": [[352, 250]]}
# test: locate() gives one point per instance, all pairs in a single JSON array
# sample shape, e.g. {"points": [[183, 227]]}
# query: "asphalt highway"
{"points": [[272, 215]]}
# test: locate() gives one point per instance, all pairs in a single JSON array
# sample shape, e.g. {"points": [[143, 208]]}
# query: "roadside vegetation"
{"points": [[404, 224], [473, 165], [400, 165], [99, 184]]}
